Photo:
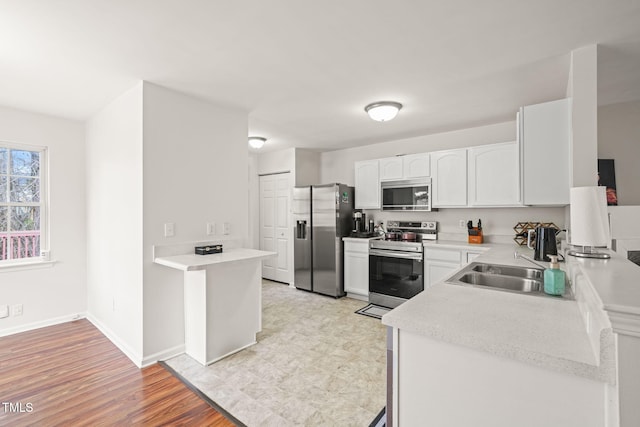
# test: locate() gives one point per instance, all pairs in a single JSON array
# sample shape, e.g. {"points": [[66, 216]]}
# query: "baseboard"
{"points": [[132, 355], [41, 324], [163, 355]]}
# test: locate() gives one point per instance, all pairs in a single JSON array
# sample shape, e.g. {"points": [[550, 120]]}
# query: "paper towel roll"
{"points": [[589, 219]]}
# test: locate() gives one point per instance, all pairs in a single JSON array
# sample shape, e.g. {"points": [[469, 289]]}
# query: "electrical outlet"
{"points": [[16, 310], [4, 311], [169, 229], [226, 228], [211, 228], [462, 223]]}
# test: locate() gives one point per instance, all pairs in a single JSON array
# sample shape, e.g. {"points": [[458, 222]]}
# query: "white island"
{"points": [[222, 300]]}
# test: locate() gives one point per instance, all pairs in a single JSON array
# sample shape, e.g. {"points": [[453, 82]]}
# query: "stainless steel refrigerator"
{"points": [[322, 216]]}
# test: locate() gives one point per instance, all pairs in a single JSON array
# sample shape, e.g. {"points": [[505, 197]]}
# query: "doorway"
{"points": [[275, 193]]}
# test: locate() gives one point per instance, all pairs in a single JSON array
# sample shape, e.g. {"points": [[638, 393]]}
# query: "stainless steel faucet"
{"points": [[517, 255]]}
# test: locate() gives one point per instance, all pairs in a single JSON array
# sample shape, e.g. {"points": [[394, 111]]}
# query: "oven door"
{"points": [[394, 273]]}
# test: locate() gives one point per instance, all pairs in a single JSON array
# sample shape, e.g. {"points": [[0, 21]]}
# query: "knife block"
{"points": [[475, 235]]}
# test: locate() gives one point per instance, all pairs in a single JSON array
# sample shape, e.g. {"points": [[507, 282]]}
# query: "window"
{"points": [[22, 202]]}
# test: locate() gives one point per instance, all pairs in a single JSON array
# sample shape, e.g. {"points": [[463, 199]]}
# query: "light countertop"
{"points": [[190, 262], [543, 331]]}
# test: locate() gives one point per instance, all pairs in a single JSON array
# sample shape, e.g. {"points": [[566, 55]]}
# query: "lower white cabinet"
{"points": [[437, 271], [356, 267], [440, 263]]}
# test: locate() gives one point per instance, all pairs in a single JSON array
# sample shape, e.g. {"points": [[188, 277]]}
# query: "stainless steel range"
{"points": [[396, 271]]}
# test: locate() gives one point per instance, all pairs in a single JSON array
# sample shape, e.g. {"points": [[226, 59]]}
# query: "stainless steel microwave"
{"points": [[406, 195]]}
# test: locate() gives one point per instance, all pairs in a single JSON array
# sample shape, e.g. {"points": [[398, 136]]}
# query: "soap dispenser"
{"points": [[554, 278]]}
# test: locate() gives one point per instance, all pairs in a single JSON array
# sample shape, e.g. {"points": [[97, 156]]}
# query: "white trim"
{"points": [[41, 324], [132, 355], [45, 200], [163, 355], [32, 264]]}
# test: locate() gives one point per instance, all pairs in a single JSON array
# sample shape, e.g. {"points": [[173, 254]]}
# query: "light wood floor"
{"points": [[71, 374]]}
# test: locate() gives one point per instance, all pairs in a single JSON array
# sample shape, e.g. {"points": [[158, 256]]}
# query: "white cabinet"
{"points": [[544, 132], [356, 267], [471, 256], [416, 165], [404, 167], [367, 185], [440, 263], [449, 178], [494, 175], [390, 168]]}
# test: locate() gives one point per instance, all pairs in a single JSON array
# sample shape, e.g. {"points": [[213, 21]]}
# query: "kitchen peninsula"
{"points": [[222, 300], [469, 356]]}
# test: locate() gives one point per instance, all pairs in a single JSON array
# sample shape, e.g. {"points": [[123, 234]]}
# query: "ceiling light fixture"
{"points": [[383, 111], [257, 141]]}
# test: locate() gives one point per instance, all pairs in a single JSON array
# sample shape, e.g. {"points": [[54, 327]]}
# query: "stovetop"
{"points": [[424, 230]]}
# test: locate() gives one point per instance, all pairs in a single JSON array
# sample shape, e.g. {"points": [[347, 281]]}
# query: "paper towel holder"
{"points": [[589, 222]]}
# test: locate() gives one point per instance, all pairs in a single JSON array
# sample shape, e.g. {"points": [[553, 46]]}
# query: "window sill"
{"points": [[6, 267]]}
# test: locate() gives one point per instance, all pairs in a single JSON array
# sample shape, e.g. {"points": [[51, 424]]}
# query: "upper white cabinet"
{"points": [[416, 165], [544, 131], [494, 175], [367, 185], [449, 178], [404, 167], [390, 168]]}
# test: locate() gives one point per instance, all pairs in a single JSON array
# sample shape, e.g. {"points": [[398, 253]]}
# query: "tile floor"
{"points": [[316, 363]]}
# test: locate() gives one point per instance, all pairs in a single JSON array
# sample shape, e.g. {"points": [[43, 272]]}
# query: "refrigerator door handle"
{"points": [[301, 229]]}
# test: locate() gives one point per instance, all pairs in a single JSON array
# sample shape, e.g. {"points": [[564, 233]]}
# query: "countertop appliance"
{"points": [[396, 270], [545, 243], [406, 195], [322, 216]]}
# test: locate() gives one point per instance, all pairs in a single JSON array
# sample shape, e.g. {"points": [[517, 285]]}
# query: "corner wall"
{"points": [[55, 294], [114, 218], [195, 162]]}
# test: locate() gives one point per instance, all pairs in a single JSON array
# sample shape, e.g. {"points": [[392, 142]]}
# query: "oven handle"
{"points": [[396, 254]]}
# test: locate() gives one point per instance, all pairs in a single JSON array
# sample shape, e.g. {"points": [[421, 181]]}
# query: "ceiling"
{"points": [[304, 70]]}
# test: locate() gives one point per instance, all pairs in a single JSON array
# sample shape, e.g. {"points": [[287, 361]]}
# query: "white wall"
{"points": [[307, 168], [277, 161], [114, 221], [55, 294], [583, 89], [619, 139], [498, 223], [195, 171]]}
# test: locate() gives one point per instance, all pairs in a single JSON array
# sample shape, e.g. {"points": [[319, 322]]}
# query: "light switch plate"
{"points": [[225, 228], [16, 310], [211, 228], [169, 229], [4, 311]]}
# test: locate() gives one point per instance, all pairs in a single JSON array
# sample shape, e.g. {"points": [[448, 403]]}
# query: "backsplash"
{"points": [[497, 223]]}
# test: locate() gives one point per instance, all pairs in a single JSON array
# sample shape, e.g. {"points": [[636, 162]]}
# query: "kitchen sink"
{"points": [[510, 283], [509, 270], [509, 278]]}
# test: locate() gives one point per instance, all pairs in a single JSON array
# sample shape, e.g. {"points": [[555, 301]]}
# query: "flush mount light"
{"points": [[383, 111], [257, 141]]}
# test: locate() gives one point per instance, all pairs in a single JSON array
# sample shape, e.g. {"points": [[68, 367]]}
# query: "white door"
{"points": [[275, 192]]}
